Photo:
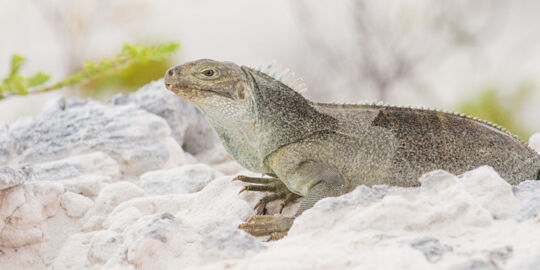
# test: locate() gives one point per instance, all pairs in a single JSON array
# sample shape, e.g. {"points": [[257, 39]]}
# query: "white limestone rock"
{"points": [[447, 223], [184, 179], [443, 224], [75, 166], [534, 142], [432, 249], [74, 204], [23, 211], [228, 242], [5, 144], [529, 208], [103, 245], [11, 200], [526, 189], [528, 193], [167, 231], [120, 220], [491, 190], [87, 185], [133, 137], [109, 197], [74, 253], [188, 125], [10, 177], [152, 234]]}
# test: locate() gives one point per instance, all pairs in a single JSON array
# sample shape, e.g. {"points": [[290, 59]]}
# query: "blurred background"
{"points": [[481, 57]]}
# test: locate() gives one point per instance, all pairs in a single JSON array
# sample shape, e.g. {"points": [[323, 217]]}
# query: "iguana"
{"points": [[318, 150]]}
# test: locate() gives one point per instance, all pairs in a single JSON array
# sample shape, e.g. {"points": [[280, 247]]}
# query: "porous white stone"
{"points": [[528, 193], [74, 253], [15, 237], [10, 177], [219, 199], [11, 200], [188, 125], [74, 204], [75, 166], [120, 220], [529, 208], [227, 242], [88, 185], [104, 245], [184, 179], [151, 234], [109, 197], [534, 142], [24, 209], [446, 223], [41, 202], [489, 189], [5, 144], [432, 249], [526, 189], [134, 137]]}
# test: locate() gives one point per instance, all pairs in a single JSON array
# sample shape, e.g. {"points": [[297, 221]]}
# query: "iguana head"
{"points": [[219, 89]]}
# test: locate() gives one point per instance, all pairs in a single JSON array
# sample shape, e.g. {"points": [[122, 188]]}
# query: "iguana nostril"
{"points": [[170, 72]]}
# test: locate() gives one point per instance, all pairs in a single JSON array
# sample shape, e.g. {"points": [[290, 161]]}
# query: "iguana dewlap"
{"points": [[318, 150]]}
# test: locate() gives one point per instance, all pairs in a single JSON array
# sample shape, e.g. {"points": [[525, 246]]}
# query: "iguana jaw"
{"points": [[190, 93]]}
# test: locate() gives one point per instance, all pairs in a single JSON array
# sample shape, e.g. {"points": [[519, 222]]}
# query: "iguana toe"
{"points": [[261, 205], [275, 226], [276, 236], [255, 180], [269, 184], [289, 198]]}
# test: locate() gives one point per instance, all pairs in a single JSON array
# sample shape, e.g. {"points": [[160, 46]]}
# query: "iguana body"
{"points": [[320, 150]]}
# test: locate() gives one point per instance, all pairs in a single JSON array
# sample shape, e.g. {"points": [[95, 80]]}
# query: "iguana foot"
{"points": [[275, 226], [271, 184]]}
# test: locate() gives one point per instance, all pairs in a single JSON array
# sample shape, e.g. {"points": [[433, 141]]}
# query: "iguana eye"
{"points": [[208, 72]]}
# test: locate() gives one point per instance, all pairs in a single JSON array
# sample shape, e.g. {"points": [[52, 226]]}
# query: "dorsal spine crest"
{"points": [[284, 75], [289, 78]]}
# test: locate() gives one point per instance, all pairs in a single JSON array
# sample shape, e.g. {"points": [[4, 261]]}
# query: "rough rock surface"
{"points": [[119, 186], [138, 140], [185, 179], [188, 125], [10, 177], [5, 144]]}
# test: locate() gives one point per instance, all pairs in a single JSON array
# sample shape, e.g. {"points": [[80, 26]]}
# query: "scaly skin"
{"points": [[321, 150]]}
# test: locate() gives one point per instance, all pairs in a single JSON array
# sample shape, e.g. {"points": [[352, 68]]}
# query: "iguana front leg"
{"points": [[328, 182], [274, 185]]}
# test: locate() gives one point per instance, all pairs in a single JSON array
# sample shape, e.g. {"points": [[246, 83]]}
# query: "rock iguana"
{"points": [[318, 150]]}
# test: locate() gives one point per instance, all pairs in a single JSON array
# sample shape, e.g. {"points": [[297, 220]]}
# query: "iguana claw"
{"points": [[289, 197], [270, 184], [276, 226]]}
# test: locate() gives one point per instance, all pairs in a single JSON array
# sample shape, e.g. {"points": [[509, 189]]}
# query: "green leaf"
{"points": [[38, 79], [73, 79], [16, 62], [132, 57]]}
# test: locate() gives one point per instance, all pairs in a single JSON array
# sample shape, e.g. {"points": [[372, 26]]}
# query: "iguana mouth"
{"points": [[178, 89]]}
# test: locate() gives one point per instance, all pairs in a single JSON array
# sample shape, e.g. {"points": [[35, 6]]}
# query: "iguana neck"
{"points": [[283, 116], [241, 143]]}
